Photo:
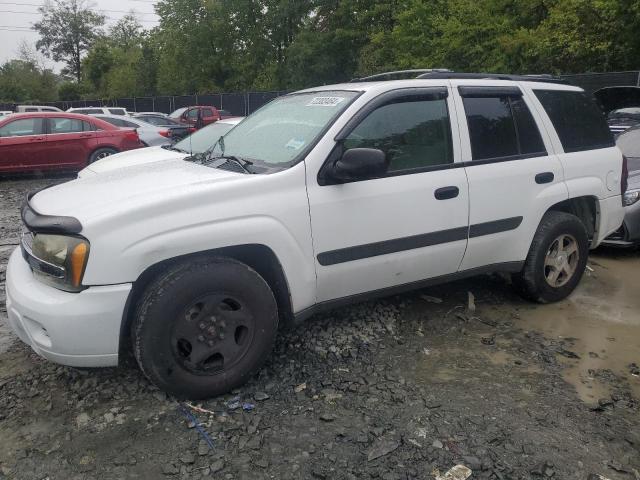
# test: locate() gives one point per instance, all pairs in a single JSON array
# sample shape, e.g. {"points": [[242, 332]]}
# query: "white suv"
{"points": [[322, 197]]}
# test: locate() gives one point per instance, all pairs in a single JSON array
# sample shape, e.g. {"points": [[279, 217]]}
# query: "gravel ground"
{"points": [[406, 387]]}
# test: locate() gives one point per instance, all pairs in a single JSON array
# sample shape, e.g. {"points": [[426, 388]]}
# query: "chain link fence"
{"points": [[244, 103], [240, 104]]}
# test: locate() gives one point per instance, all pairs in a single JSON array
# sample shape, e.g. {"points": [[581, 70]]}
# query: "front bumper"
{"points": [[77, 329], [628, 234]]}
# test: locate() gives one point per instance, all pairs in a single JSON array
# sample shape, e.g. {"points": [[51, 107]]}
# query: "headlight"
{"points": [[630, 197], [57, 260]]}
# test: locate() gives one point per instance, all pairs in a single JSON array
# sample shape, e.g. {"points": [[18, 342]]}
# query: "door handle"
{"points": [[86, 135], [36, 139], [544, 177], [445, 193]]}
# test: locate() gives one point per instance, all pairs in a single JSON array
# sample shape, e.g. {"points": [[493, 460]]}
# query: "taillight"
{"points": [[132, 135], [165, 133], [624, 180]]}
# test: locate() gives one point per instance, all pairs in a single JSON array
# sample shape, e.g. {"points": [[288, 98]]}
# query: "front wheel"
{"points": [[556, 260], [204, 327]]}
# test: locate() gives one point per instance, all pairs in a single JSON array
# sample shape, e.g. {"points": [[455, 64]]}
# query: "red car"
{"points": [[59, 141], [199, 116]]}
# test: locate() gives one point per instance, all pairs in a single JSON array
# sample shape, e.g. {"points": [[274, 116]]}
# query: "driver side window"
{"points": [[413, 134]]}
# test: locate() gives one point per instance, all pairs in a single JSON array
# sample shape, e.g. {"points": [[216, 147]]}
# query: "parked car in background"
{"points": [[58, 141], [4, 113], [161, 114], [198, 143], [150, 135], [99, 111], [178, 130], [36, 108], [628, 235], [623, 119], [199, 116]]}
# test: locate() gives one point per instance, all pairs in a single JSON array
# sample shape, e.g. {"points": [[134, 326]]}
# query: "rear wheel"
{"points": [[204, 327], [556, 260], [101, 153]]}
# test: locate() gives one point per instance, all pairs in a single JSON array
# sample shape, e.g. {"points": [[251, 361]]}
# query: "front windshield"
{"points": [[203, 139], [282, 130]]}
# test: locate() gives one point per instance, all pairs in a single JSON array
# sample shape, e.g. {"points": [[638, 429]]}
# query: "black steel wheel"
{"points": [[204, 326], [214, 334]]}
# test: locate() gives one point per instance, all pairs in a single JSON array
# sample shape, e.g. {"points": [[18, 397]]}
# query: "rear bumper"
{"points": [[76, 329], [611, 217], [628, 234]]}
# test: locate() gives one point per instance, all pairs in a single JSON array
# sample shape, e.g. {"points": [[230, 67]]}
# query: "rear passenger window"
{"points": [[65, 125], [413, 134], [501, 126], [577, 119]]}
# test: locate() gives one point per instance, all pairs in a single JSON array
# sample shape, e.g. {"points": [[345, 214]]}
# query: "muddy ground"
{"points": [[394, 389]]}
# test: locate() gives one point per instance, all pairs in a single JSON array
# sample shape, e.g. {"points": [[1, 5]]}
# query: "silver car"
{"points": [[150, 135], [628, 235]]}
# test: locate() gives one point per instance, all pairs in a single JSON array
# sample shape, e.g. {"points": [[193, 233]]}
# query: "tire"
{"points": [[204, 327], [536, 280], [101, 153]]}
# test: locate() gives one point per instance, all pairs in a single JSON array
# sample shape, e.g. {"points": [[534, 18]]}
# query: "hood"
{"points": [[129, 188], [129, 158]]}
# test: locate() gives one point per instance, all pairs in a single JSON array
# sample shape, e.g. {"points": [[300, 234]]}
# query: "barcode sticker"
{"points": [[325, 101]]}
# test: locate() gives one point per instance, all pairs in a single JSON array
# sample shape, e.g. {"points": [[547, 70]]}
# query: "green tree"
{"points": [[68, 29], [24, 81], [126, 33]]}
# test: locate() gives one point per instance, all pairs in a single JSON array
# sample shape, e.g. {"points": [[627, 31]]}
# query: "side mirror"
{"points": [[360, 164]]}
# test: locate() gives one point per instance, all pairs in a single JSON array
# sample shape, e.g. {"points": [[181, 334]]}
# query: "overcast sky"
{"points": [[17, 17]]}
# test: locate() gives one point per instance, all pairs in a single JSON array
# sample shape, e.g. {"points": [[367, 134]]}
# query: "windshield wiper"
{"points": [[245, 164], [171, 147]]}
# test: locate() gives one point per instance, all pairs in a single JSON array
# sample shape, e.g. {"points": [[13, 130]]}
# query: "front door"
{"points": [[22, 145], [407, 226]]}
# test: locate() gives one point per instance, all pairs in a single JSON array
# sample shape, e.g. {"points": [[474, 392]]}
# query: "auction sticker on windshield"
{"points": [[325, 101]]}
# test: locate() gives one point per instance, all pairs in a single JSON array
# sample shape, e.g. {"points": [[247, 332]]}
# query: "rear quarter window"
{"points": [[580, 123]]}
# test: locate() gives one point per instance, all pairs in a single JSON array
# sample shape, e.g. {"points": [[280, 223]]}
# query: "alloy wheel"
{"points": [[561, 260]]}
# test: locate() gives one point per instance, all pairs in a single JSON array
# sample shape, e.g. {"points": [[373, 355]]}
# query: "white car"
{"points": [[36, 108], [99, 111], [4, 113], [322, 197]]}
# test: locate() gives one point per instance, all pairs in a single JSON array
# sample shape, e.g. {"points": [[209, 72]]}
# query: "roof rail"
{"points": [[493, 76], [401, 74]]}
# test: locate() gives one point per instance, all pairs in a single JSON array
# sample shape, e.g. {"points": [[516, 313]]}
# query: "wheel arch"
{"points": [[259, 257], [586, 208]]}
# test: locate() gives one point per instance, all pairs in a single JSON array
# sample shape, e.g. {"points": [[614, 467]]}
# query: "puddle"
{"points": [[603, 316]]}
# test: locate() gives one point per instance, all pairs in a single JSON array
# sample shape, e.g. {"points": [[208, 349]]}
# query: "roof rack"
{"points": [[399, 74], [443, 73], [492, 76]]}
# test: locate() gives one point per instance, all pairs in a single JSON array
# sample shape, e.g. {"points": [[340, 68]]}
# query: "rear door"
{"points": [[514, 177], [69, 142], [22, 145]]}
